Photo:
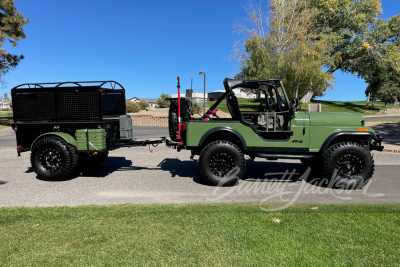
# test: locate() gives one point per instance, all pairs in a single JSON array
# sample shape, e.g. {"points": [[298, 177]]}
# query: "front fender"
{"points": [[68, 138], [351, 134]]}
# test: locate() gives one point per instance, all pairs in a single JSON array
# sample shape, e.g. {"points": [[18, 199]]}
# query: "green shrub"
{"points": [[132, 107], [143, 104]]}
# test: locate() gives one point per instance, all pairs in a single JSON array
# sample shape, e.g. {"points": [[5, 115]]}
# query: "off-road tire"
{"points": [[229, 152], [62, 154], [89, 161], [349, 151], [173, 122]]}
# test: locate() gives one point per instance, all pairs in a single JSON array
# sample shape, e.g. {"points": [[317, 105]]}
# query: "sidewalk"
{"points": [[381, 117]]}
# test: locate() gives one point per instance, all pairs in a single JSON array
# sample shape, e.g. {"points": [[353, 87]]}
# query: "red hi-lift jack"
{"points": [[179, 137]]}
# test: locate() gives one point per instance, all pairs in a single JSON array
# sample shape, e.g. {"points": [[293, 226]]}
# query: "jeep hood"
{"points": [[334, 119]]}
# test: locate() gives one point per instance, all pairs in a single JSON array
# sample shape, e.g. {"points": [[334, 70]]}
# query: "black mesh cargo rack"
{"points": [[68, 101]]}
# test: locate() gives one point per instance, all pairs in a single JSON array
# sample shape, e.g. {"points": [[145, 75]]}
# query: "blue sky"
{"points": [[143, 45]]}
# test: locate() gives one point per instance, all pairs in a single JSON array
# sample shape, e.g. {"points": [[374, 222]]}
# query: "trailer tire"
{"points": [[53, 159], [222, 163], [88, 161], [352, 163]]}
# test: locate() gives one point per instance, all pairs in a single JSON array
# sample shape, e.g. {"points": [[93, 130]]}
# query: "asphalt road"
{"points": [[134, 175]]}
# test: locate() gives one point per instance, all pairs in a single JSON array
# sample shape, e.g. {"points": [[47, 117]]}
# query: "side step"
{"points": [[282, 156]]}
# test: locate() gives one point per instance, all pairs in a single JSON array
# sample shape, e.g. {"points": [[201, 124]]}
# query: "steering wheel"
{"points": [[272, 107]]}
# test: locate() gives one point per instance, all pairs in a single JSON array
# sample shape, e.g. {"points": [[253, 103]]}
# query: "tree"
{"points": [[162, 102], [5, 98], [337, 34], [11, 30], [283, 45], [143, 104]]}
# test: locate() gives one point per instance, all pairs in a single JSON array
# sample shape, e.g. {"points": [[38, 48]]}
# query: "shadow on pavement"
{"points": [[264, 171], [3, 182], [390, 132]]}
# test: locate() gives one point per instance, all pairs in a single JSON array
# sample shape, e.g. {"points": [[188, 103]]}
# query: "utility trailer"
{"points": [[66, 123]]}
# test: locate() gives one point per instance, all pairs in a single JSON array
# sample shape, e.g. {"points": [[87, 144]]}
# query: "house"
{"points": [[134, 99], [4, 105], [196, 97], [152, 101]]}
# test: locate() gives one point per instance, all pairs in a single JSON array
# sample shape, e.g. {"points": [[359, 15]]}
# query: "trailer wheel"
{"points": [[222, 163], [92, 160], [53, 159], [354, 165]]}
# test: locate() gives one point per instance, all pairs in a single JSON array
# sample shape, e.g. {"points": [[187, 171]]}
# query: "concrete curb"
{"points": [[391, 151]]}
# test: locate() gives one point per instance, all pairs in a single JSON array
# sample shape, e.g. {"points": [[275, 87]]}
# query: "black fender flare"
{"points": [[331, 137], [223, 129]]}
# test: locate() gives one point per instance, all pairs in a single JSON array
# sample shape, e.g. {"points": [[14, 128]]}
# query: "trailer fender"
{"points": [[64, 136]]}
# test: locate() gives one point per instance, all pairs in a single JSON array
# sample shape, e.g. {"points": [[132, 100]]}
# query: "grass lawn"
{"points": [[204, 235], [9, 114], [357, 107]]}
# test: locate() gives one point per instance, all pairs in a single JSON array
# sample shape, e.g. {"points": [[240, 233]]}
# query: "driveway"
{"points": [[134, 175]]}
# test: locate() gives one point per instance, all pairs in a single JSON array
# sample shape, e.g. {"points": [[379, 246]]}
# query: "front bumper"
{"points": [[377, 145]]}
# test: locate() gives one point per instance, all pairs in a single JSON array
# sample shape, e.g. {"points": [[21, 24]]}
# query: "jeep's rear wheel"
{"points": [[222, 163], [349, 165], [53, 158]]}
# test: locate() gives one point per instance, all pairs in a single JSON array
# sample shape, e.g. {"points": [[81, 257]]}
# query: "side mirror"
{"points": [[295, 102], [295, 105]]}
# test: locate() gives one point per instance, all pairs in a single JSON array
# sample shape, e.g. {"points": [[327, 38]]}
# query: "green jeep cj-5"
{"points": [[336, 145]]}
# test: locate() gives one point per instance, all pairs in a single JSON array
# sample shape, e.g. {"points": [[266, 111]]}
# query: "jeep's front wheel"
{"points": [[348, 165], [222, 163], [53, 159]]}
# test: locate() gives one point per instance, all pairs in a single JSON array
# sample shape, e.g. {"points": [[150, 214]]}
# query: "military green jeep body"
{"points": [[335, 144]]}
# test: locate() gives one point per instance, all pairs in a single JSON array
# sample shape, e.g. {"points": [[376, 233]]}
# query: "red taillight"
{"points": [[184, 127], [18, 149]]}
